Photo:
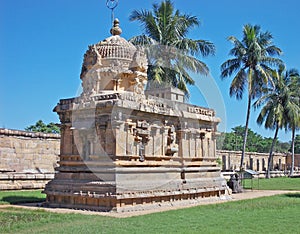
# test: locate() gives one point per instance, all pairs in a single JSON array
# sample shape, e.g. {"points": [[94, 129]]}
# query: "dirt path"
{"points": [[248, 194], [234, 197]]}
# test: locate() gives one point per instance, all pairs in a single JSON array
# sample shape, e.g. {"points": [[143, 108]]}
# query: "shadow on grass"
{"points": [[292, 195], [21, 199]]}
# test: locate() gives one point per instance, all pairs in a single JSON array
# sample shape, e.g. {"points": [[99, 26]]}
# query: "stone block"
{"points": [[4, 176]]}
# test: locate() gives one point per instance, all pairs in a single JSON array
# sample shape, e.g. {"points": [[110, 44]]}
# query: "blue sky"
{"points": [[42, 44]]}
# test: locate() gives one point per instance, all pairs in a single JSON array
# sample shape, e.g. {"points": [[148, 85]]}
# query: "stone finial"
{"points": [[116, 30]]}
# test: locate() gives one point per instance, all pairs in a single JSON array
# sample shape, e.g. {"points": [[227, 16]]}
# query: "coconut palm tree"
{"points": [[251, 65], [294, 113], [170, 52], [279, 104]]}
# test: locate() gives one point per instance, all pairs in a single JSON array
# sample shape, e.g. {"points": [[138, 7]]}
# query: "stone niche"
{"points": [[122, 150]]}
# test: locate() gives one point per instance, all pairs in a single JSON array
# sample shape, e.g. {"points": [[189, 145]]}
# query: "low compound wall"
{"points": [[27, 159], [254, 161], [296, 162]]}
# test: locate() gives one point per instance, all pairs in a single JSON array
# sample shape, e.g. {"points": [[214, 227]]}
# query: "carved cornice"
{"points": [[131, 100]]}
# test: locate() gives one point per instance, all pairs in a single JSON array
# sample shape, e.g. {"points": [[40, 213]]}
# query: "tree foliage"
{"points": [[251, 65], [170, 52], [297, 144], [293, 114], [233, 141], [40, 126], [280, 106]]}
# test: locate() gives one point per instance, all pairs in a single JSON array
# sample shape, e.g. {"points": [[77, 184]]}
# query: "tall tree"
{"points": [[170, 52], [278, 104], [251, 65], [294, 111]]}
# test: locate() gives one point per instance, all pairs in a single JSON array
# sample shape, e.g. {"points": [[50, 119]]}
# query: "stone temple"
{"points": [[124, 149]]}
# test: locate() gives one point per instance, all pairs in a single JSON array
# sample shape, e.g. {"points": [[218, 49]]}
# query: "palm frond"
{"points": [[148, 22], [238, 85], [142, 40], [183, 74], [195, 47], [167, 47], [192, 64], [229, 67], [273, 51]]}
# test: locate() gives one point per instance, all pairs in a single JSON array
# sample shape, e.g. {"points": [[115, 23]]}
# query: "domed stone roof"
{"points": [[114, 64], [116, 46], [113, 47]]}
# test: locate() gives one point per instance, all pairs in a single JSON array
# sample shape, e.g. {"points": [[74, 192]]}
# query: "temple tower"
{"points": [[123, 150]]}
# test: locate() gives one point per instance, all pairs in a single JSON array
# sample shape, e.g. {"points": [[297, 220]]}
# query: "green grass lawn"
{"points": [[280, 183], [21, 196], [276, 214]]}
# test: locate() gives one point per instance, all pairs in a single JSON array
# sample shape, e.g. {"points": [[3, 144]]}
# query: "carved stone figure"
{"points": [[235, 183]]}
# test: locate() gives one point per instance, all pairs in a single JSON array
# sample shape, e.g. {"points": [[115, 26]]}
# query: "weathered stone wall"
{"points": [[296, 162], [254, 161], [27, 159]]}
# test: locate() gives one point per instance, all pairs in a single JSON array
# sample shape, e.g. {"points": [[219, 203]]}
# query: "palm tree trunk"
{"points": [[246, 132], [270, 159], [293, 152]]}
